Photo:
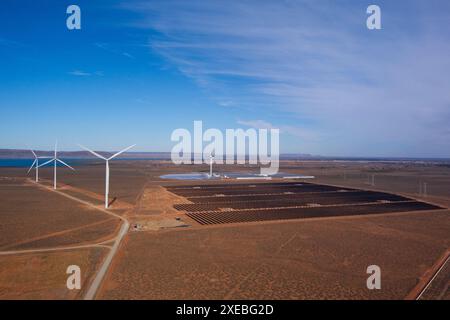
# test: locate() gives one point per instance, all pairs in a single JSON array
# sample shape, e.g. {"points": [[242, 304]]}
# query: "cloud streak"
{"points": [[80, 73], [362, 92], [304, 134]]}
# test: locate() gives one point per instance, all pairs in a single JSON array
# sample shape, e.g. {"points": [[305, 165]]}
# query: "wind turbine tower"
{"points": [[211, 159], [107, 169], [36, 164], [55, 160]]}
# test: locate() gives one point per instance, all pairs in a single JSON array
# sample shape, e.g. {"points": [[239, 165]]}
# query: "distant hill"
{"points": [[26, 154]]}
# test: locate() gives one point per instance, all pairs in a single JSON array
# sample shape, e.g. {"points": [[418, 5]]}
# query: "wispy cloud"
{"points": [[113, 49], [80, 73], [372, 92], [126, 54], [226, 103], [298, 132], [10, 43]]}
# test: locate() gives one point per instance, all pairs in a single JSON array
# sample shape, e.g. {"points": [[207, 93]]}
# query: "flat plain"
{"points": [[169, 254]]}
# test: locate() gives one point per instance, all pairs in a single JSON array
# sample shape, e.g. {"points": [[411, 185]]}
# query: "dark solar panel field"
{"points": [[218, 204], [254, 189]]}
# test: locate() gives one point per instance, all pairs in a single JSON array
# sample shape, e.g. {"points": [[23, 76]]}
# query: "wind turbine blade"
{"points": [[34, 154], [65, 164], [45, 163], [44, 157], [34, 162], [126, 149], [56, 146], [93, 152]]}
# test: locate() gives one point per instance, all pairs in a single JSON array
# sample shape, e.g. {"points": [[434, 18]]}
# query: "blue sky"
{"points": [[137, 70]]}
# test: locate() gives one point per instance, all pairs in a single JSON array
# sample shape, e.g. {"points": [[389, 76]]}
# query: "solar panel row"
{"points": [[275, 202], [218, 217]]}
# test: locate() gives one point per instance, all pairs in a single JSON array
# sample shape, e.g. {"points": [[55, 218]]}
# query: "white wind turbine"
{"points": [[55, 160], [107, 168], [36, 164], [211, 159]]}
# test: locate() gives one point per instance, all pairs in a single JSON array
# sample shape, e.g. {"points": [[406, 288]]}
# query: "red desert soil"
{"points": [[322, 259], [43, 275], [93, 233], [126, 180], [435, 283], [29, 212]]}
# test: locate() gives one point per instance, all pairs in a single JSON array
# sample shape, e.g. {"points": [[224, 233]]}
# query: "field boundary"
{"points": [[428, 277]]}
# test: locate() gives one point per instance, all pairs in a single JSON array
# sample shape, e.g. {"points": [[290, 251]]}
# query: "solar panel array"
{"points": [[234, 203]]}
